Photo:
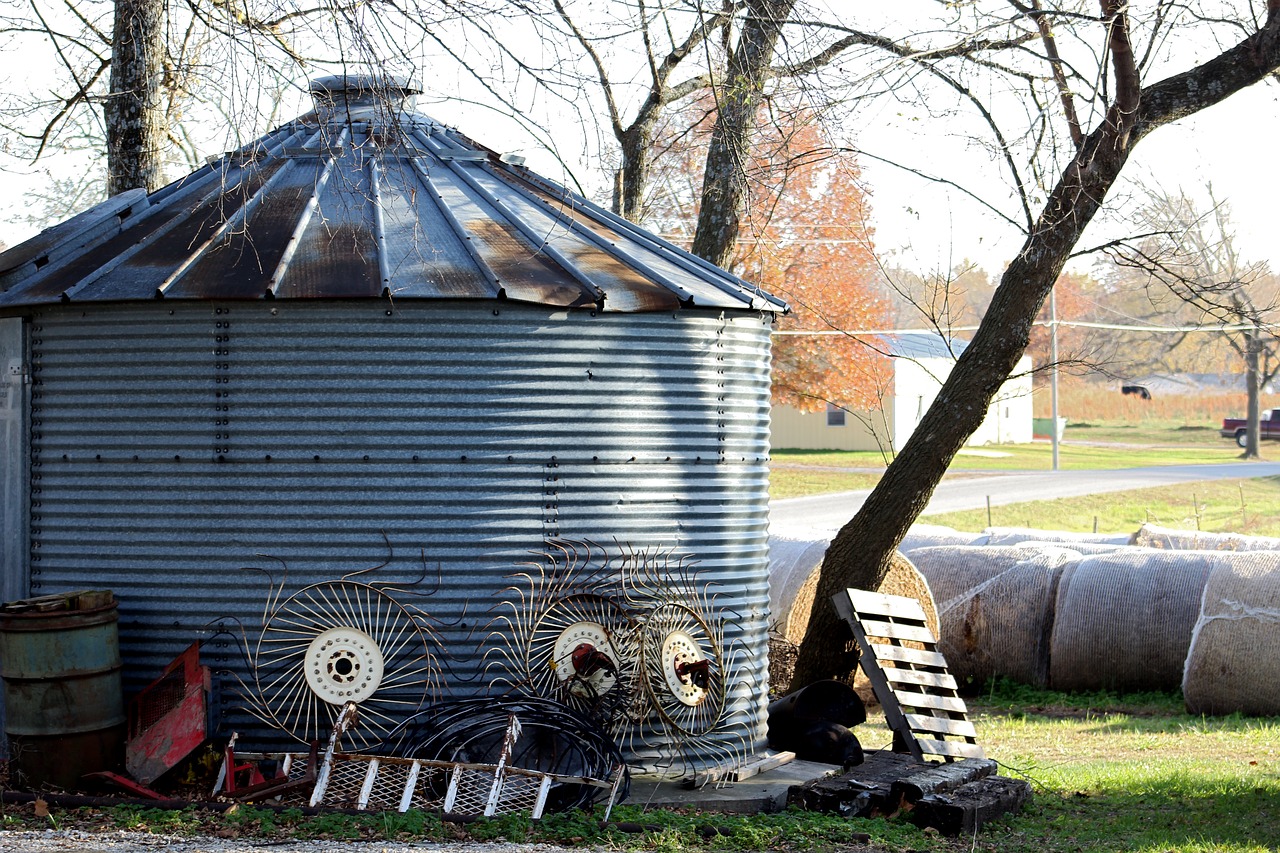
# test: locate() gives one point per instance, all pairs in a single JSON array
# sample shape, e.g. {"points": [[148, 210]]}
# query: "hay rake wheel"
{"points": [[334, 643], [581, 651], [682, 660]]}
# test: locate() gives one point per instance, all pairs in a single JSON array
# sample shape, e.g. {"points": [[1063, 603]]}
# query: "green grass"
{"points": [[1213, 506], [1117, 773], [1160, 434], [1087, 446]]}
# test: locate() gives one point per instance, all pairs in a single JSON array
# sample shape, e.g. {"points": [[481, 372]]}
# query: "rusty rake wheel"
{"points": [[683, 668], [581, 651], [337, 642]]}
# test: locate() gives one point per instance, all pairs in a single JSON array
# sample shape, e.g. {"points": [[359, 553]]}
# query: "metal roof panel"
{"points": [[363, 202]]}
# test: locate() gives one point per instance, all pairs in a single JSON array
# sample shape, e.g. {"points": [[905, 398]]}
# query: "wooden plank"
{"points": [[951, 748], [919, 678], [909, 699], [897, 631], [761, 764], [902, 654], [940, 725], [878, 605]]}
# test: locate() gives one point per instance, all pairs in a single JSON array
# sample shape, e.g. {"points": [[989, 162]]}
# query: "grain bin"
{"points": [[362, 341]]}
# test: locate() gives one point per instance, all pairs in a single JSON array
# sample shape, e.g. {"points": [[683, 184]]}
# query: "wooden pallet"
{"points": [[918, 694]]}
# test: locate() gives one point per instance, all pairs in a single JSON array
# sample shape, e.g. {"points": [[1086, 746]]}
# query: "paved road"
{"points": [[829, 512]]}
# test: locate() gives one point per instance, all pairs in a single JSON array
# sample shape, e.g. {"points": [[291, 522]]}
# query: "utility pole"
{"points": [[1053, 374]]}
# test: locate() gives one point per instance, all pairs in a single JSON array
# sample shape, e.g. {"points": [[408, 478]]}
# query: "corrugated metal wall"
{"points": [[172, 443]]}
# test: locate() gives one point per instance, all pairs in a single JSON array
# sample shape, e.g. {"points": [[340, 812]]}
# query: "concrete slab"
{"points": [[766, 792]]}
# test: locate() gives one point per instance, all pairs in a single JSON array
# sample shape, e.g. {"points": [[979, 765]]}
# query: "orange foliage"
{"points": [[805, 236]]}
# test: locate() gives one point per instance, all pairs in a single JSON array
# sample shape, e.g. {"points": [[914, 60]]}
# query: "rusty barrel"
{"points": [[63, 699]]}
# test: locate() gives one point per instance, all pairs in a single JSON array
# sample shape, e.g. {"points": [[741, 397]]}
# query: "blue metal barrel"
{"points": [[63, 701]]}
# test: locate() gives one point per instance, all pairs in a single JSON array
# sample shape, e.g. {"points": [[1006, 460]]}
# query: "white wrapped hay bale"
{"points": [[1123, 621], [1170, 539], [1233, 664], [1018, 535], [1001, 626], [952, 570], [930, 535], [1085, 549], [794, 555]]}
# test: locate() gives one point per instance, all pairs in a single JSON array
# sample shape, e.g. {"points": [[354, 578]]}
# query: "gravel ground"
{"points": [[80, 841]]}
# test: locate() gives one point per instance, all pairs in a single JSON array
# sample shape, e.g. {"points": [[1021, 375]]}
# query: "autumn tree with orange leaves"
{"points": [[806, 236]]}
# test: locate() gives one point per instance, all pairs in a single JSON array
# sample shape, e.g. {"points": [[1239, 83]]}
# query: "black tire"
{"points": [[1242, 438]]}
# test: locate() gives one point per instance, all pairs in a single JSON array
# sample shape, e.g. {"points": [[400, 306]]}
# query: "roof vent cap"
{"points": [[342, 94]]}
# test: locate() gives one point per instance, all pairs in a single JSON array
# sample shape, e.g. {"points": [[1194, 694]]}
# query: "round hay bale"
{"points": [[1084, 549], [1017, 535], [794, 556], [1001, 626], [1233, 664], [953, 570], [794, 563], [1123, 621], [929, 535], [1170, 539], [902, 579]]}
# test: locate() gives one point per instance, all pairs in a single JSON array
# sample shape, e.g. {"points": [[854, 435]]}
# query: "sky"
{"points": [[919, 226]]}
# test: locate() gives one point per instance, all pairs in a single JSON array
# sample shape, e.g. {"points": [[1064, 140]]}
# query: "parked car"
{"points": [[1237, 428]]}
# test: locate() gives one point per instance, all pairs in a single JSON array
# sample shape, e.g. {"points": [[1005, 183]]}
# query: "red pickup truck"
{"points": [[1268, 427]]}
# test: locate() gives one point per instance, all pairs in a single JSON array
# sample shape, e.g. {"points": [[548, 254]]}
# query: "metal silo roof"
{"points": [[364, 198]]}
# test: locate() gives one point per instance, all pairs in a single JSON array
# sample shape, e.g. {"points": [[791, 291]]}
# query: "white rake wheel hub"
{"points": [[595, 635], [678, 650], [343, 665]]}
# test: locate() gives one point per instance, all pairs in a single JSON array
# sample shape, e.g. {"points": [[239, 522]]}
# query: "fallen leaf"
{"points": [[42, 808]]}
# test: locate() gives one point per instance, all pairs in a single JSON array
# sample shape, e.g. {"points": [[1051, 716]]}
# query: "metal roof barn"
{"points": [[364, 339]]}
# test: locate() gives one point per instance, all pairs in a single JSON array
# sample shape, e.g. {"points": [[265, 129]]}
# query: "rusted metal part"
{"points": [[169, 719], [124, 783], [60, 662], [286, 780]]}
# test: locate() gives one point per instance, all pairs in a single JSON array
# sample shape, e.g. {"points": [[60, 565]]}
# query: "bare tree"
{"points": [[133, 107], [128, 74], [1125, 111], [1192, 256]]}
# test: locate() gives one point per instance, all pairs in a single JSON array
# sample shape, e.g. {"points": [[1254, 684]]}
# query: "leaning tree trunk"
{"points": [[860, 553], [134, 110], [724, 181]]}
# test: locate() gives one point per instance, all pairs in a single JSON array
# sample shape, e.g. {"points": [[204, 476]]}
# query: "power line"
{"points": [[1231, 327]]}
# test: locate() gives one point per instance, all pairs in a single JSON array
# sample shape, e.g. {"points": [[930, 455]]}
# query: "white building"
{"points": [[919, 364]]}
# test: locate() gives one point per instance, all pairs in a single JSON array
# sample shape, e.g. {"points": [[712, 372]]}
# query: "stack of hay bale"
{"points": [[1156, 610]]}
